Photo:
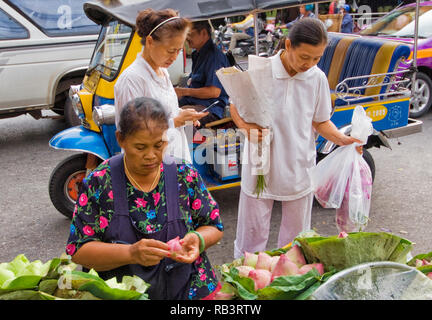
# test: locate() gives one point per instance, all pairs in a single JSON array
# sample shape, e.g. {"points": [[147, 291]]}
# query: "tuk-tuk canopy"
{"points": [[192, 9]]}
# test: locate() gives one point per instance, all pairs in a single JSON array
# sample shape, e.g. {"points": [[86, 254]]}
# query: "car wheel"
{"points": [[422, 100], [65, 183], [70, 115]]}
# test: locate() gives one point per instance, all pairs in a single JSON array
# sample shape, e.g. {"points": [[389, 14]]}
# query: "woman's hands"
{"points": [[188, 115], [189, 249], [148, 252]]}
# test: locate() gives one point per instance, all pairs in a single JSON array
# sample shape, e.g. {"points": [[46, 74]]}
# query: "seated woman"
{"points": [[133, 203]]}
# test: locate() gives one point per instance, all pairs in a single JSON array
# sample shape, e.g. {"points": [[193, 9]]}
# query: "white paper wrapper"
{"points": [[253, 99], [249, 92]]}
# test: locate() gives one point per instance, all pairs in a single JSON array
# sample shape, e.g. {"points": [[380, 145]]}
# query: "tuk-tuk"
{"points": [[384, 95]]}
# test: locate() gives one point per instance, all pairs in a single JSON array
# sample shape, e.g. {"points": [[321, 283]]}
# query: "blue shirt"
{"points": [[347, 24], [205, 63]]}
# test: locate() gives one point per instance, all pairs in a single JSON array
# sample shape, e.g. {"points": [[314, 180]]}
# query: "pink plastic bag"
{"points": [[353, 214]]}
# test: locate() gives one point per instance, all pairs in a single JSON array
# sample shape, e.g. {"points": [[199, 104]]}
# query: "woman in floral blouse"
{"points": [[132, 204]]}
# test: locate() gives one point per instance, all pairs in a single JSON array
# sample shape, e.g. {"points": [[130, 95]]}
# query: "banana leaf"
{"points": [[356, 248], [131, 288], [26, 295]]}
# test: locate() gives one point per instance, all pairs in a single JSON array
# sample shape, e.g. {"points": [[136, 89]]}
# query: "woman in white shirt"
{"points": [[303, 107], [163, 34]]}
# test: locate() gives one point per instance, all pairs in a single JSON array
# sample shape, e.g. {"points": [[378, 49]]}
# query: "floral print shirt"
{"points": [[95, 208]]}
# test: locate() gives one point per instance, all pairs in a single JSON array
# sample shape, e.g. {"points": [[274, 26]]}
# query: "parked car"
{"points": [[399, 24], [45, 47]]}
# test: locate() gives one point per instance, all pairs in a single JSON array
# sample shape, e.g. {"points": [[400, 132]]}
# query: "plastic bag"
{"points": [[353, 214], [343, 179]]}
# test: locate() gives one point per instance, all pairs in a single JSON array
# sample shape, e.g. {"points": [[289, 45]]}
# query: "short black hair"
{"points": [[309, 31], [137, 113], [200, 25]]}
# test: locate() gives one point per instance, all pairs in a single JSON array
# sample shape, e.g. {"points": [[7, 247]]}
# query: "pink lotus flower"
{"points": [[156, 197], [264, 261], [189, 179], [88, 231], [140, 202], [285, 267], [261, 278], [250, 259], [174, 245], [70, 249], [296, 255], [110, 195], [244, 271], [308, 267], [103, 222], [196, 205], [214, 214], [83, 199]]}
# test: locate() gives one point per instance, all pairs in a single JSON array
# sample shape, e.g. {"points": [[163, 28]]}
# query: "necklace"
{"points": [[136, 183]]}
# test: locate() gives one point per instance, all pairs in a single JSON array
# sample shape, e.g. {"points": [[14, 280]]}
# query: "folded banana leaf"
{"points": [[21, 279], [358, 247]]}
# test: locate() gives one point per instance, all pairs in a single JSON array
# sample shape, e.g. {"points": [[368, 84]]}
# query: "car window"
{"points": [[400, 23], [425, 26], [11, 29], [58, 17]]}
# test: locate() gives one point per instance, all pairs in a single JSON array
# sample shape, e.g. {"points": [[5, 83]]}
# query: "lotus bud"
{"points": [[244, 270], [418, 263], [425, 262], [308, 267], [262, 278], [274, 262], [342, 235], [285, 267], [295, 254], [174, 245], [264, 261], [250, 259], [224, 296]]}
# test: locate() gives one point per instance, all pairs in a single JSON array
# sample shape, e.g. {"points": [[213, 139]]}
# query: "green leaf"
{"points": [[427, 256], [48, 286], [356, 248], [103, 291], [289, 287], [20, 283]]}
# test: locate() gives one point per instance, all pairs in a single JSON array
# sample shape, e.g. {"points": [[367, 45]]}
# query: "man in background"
{"points": [[203, 86]]}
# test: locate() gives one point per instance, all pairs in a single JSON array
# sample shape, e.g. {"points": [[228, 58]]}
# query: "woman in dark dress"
{"points": [[133, 203]]}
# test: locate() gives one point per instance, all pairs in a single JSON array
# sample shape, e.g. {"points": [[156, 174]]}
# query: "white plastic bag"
{"points": [[343, 179], [353, 213]]}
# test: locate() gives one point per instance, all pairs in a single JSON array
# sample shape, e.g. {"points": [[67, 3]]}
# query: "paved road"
{"points": [[30, 224]]}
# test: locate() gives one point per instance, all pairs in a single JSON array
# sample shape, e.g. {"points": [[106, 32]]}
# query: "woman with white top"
{"points": [[163, 34], [303, 107]]}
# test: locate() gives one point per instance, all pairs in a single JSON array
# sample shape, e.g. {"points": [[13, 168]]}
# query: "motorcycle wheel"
{"points": [[65, 182]]}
